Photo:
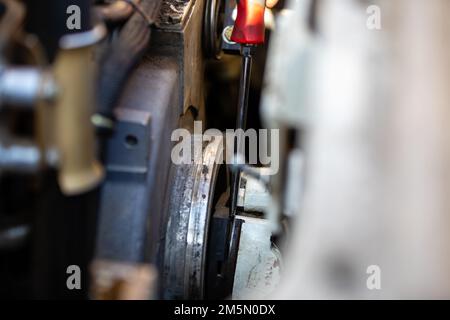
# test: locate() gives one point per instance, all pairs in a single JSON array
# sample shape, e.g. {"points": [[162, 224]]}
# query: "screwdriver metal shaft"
{"points": [[241, 121]]}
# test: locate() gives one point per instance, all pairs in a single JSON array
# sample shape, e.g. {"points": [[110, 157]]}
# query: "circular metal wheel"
{"points": [[212, 28], [191, 200]]}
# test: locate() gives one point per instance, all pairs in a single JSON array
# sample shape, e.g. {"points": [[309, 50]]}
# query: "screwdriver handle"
{"points": [[249, 25]]}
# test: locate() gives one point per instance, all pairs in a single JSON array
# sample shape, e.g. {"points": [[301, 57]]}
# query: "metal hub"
{"points": [[191, 200]]}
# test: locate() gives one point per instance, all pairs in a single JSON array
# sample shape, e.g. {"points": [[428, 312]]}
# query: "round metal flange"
{"points": [[212, 28], [191, 200]]}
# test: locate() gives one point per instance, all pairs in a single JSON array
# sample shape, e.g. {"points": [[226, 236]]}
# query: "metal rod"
{"points": [[241, 122]]}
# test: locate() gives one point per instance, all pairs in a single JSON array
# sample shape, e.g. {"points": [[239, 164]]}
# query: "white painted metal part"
{"points": [[258, 263]]}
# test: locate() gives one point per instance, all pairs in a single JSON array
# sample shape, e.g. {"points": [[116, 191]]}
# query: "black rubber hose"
{"points": [[120, 58]]}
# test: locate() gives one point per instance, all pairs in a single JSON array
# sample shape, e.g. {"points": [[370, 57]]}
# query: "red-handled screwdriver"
{"points": [[248, 31], [249, 25]]}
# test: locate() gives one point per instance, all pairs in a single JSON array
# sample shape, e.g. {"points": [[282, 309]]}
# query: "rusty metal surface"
{"points": [[184, 41], [173, 13], [192, 198]]}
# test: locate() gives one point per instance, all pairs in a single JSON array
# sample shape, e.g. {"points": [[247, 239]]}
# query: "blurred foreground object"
{"points": [[372, 106], [61, 97], [75, 137], [123, 281]]}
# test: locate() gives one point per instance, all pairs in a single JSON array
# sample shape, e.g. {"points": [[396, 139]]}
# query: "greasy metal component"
{"points": [[212, 28], [25, 86], [188, 226], [79, 170], [115, 280], [258, 262]]}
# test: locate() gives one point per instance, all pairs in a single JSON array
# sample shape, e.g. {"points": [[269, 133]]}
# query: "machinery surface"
{"points": [[224, 149], [92, 94]]}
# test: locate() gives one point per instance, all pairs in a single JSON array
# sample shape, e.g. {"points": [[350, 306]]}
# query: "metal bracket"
{"points": [[129, 147]]}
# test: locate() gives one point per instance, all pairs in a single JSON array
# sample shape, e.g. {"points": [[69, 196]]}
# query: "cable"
{"points": [[139, 10]]}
